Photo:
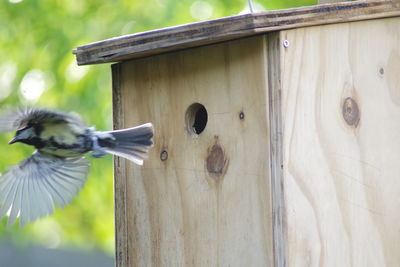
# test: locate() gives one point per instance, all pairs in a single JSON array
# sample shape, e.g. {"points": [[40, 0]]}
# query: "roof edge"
{"points": [[228, 28]]}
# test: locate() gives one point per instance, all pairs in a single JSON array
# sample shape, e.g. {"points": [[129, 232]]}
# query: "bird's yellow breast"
{"points": [[61, 133]]}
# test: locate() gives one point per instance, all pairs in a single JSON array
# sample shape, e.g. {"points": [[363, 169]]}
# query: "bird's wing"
{"points": [[30, 189], [14, 119]]}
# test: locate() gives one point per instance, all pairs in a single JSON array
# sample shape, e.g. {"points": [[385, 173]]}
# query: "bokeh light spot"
{"points": [[75, 73], [33, 85], [201, 10], [8, 72]]}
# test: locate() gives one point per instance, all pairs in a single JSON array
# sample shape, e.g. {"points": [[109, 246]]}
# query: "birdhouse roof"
{"points": [[213, 31]]}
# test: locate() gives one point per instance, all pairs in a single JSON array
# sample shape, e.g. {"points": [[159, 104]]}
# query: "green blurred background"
{"points": [[38, 68]]}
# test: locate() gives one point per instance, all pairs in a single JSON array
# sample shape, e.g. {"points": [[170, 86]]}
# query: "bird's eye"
{"points": [[21, 130]]}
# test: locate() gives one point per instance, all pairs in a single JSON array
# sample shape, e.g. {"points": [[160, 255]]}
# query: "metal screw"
{"points": [[241, 115], [164, 155], [286, 43], [381, 71]]}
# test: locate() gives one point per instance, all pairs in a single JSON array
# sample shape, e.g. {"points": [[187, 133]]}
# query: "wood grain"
{"points": [[188, 210], [120, 176], [340, 115], [276, 149], [197, 34]]}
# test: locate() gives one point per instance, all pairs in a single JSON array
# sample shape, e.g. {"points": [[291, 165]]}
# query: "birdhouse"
{"points": [[277, 138]]}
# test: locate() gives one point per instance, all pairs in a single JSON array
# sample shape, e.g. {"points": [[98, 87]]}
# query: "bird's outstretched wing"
{"points": [[30, 189], [14, 119]]}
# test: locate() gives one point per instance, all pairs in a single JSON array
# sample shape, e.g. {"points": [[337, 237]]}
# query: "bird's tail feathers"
{"points": [[132, 143]]}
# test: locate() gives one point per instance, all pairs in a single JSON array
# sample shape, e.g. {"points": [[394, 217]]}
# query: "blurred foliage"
{"points": [[38, 68]]}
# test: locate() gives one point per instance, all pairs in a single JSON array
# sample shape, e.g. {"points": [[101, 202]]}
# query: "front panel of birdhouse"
{"points": [[203, 197]]}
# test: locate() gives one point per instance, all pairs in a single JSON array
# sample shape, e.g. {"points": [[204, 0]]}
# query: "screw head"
{"points": [[241, 115], [286, 43]]}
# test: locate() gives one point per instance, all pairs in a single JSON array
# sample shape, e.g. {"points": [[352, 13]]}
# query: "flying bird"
{"points": [[57, 169]]}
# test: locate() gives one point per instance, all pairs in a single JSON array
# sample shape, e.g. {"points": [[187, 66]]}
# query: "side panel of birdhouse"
{"points": [[201, 199], [341, 143]]}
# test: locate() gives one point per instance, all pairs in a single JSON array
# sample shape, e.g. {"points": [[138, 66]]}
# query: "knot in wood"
{"points": [[164, 155], [351, 113], [216, 162]]}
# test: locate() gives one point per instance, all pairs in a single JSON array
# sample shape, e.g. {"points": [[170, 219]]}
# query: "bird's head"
{"points": [[24, 135]]}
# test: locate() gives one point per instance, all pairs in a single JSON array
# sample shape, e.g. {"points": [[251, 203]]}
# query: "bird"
{"points": [[57, 169]]}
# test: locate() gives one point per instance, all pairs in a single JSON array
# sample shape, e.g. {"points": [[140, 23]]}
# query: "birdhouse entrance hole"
{"points": [[196, 118]]}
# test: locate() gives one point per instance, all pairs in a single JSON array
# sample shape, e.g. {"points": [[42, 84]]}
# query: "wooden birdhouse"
{"points": [[277, 139]]}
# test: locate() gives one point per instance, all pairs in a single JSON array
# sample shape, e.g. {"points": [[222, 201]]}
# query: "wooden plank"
{"points": [[209, 202], [274, 45], [120, 176], [340, 115], [196, 34]]}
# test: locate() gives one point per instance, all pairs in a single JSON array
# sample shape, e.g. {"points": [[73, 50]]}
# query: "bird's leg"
{"points": [[98, 151], [106, 140]]}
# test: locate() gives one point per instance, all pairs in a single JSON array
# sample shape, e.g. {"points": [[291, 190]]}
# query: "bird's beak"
{"points": [[14, 140]]}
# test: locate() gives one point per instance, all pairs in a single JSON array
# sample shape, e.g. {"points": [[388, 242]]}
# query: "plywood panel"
{"points": [[209, 202], [341, 173]]}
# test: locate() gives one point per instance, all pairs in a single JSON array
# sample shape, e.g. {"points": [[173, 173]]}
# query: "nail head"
{"points": [[286, 43]]}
